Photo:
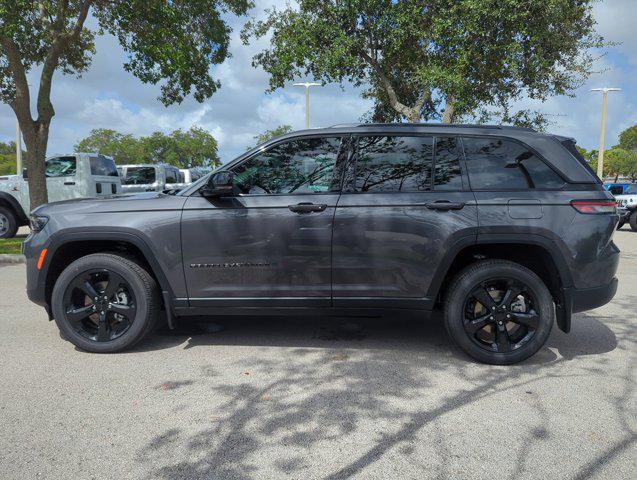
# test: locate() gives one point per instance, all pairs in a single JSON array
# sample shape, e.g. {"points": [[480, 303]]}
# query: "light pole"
{"points": [[600, 155], [18, 148], [307, 86]]}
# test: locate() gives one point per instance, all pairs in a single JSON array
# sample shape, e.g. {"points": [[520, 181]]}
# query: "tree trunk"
{"points": [[413, 115], [36, 139], [447, 116]]}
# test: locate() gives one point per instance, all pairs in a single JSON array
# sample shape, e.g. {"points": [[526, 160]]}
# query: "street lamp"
{"points": [[18, 148], [307, 86], [600, 155]]}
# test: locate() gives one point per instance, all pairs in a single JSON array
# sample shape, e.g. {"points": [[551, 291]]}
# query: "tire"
{"points": [[8, 223], [488, 344], [633, 221], [103, 332]]}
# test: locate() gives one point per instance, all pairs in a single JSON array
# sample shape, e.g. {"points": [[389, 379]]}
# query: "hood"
{"points": [[133, 202]]}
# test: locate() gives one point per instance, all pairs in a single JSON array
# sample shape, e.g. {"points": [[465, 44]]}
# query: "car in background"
{"points": [[148, 177], [627, 205], [76, 175], [617, 188]]}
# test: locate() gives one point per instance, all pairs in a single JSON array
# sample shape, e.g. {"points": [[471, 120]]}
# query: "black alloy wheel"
{"points": [[105, 303], [499, 315], [498, 311], [100, 305]]}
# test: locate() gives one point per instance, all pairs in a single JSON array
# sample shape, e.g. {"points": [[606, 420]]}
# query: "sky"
{"points": [[108, 97]]}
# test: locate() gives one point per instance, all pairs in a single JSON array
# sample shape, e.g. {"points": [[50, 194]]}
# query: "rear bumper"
{"points": [[589, 298]]}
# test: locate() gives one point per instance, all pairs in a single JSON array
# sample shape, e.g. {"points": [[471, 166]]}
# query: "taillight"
{"points": [[594, 206]]}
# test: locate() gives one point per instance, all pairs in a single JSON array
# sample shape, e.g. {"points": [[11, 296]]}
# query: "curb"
{"points": [[9, 258]]}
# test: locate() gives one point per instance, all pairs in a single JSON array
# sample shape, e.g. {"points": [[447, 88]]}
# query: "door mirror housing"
{"points": [[220, 184]]}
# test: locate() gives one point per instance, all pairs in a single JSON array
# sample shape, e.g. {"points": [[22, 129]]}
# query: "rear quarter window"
{"points": [[500, 164], [103, 166]]}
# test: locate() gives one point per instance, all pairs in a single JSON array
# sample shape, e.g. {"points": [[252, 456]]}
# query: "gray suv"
{"points": [[504, 229]]}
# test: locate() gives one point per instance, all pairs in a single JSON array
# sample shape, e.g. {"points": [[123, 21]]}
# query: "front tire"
{"points": [[498, 312], [105, 303], [8, 223], [633, 221]]}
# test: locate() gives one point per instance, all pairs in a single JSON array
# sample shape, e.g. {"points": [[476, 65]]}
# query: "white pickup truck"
{"points": [[76, 175]]}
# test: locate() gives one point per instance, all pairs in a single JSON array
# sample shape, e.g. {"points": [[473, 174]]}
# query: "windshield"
{"points": [[61, 167], [139, 176]]}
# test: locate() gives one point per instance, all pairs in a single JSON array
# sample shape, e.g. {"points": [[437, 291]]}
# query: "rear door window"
{"points": [[447, 171], [103, 166], [394, 164], [61, 167], [501, 164]]}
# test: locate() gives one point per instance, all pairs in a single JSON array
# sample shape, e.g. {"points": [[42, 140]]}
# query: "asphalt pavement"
{"points": [[317, 398]]}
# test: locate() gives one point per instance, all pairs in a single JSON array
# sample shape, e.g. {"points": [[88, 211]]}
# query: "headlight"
{"points": [[37, 222]]}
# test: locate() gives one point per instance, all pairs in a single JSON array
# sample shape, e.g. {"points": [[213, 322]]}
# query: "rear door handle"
{"points": [[69, 183], [307, 207], [444, 205]]}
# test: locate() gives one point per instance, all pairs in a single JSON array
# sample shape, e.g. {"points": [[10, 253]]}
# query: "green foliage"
{"points": [[192, 148], [7, 158], [268, 134], [620, 162], [628, 139], [433, 58], [170, 42]]}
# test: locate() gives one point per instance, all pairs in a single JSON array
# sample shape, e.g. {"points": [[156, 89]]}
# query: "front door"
{"points": [[62, 179], [270, 243], [405, 203]]}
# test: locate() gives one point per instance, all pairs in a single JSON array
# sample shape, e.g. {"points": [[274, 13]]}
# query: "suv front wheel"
{"points": [[498, 312], [105, 303]]}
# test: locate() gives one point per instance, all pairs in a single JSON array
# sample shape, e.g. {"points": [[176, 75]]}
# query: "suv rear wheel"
{"points": [[105, 303], [633, 221], [8, 223], [498, 312]]}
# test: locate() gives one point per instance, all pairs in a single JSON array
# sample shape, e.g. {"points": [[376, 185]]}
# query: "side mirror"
{"points": [[219, 185], [25, 175]]}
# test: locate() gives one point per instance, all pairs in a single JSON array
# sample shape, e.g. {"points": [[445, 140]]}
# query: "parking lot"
{"points": [[307, 398]]}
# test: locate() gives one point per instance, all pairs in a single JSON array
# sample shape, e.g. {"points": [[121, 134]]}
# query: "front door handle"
{"points": [[444, 205], [69, 183], [307, 207]]}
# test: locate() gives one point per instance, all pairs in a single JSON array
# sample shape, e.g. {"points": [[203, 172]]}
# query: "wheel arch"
{"points": [[67, 247], [536, 252], [9, 201]]}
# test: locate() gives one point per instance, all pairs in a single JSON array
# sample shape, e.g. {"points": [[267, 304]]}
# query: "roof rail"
{"points": [[437, 125]]}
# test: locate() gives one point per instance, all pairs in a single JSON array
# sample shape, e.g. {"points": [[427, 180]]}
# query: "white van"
{"points": [[76, 175]]}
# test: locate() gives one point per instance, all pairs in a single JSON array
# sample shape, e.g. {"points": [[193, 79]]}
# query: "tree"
{"points": [[124, 148], [619, 162], [421, 59], [172, 43], [268, 134], [628, 139], [195, 147]]}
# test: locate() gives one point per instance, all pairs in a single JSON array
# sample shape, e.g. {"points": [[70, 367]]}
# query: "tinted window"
{"points": [[448, 174], [172, 175], [297, 166], [139, 176], [103, 166], [391, 164], [499, 164], [61, 167]]}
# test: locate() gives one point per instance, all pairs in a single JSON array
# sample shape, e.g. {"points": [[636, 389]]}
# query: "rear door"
{"points": [[103, 178], [62, 178], [405, 203], [271, 243]]}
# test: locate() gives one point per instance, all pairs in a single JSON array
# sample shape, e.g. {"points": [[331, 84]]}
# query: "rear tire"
{"points": [[511, 322], [8, 223], [105, 303], [633, 221]]}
